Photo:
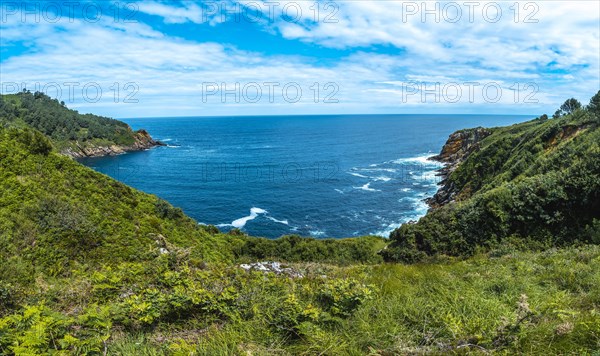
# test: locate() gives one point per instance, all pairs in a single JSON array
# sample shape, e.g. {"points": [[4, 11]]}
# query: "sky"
{"points": [[191, 58]]}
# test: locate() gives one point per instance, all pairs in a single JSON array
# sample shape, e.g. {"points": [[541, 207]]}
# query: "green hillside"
{"points": [[72, 133], [534, 184], [89, 266]]}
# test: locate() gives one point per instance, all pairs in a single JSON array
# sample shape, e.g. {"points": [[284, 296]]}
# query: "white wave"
{"points": [[406, 189], [357, 175], [241, 222], [423, 159], [431, 176], [166, 140], [411, 199], [419, 209], [367, 187], [387, 230], [426, 169], [284, 222], [317, 233], [382, 179], [254, 213], [339, 191], [389, 170]]}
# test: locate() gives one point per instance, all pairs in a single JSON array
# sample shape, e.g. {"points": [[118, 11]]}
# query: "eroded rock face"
{"points": [[459, 146], [142, 141]]}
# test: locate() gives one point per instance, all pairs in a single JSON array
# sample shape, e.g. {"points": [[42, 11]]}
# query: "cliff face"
{"points": [[459, 146], [142, 141]]}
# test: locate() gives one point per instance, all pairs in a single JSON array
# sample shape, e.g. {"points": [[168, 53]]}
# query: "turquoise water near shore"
{"points": [[321, 176]]}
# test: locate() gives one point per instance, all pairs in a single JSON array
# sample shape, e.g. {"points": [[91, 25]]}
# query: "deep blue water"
{"points": [[322, 176]]}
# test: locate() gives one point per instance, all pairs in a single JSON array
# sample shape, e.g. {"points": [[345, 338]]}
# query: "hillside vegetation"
{"points": [[529, 185], [72, 133], [89, 266]]}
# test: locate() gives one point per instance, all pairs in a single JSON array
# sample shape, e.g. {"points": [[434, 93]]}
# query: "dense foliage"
{"points": [[294, 248], [56, 213], [82, 256], [61, 124], [535, 184], [89, 266]]}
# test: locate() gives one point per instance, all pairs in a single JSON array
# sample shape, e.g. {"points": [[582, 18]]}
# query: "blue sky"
{"points": [[188, 58]]}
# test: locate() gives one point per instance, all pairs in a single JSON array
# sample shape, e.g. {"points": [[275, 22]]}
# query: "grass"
{"points": [[89, 266], [531, 303]]}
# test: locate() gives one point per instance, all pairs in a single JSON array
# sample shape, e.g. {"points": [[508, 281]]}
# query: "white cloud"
{"points": [[189, 12], [170, 70]]}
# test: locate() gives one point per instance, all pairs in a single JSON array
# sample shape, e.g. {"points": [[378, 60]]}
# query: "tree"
{"points": [[556, 114], [569, 106], [594, 105]]}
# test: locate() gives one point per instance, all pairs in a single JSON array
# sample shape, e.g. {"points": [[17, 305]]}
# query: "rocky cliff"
{"points": [[142, 141], [459, 146]]}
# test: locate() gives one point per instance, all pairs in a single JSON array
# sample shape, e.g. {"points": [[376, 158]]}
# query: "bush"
{"points": [[515, 188], [34, 141]]}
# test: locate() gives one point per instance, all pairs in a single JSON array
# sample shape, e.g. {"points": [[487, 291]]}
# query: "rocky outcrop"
{"points": [[458, 147], [274, 267], [142, 141]]}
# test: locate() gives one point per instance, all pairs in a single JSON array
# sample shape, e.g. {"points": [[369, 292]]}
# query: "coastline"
{"points": [[457, 148], [142, 141]]}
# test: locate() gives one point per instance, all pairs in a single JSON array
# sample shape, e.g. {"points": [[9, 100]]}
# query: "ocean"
{"points": [[321, 176]]}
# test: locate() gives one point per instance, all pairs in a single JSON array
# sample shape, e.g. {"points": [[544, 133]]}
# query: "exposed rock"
{"points": [[564, 133], [274, 267], [142, 141], [459, 146]]}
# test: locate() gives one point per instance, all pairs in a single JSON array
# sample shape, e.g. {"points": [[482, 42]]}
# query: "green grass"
{"points": [[89, 266], [531, 303]]}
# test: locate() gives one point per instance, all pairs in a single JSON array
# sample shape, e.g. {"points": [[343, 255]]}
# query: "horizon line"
{"points": [[302, 115]]}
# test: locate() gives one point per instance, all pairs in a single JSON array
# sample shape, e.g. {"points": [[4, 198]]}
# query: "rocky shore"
{"points": [[457, 148], [142, 141]]}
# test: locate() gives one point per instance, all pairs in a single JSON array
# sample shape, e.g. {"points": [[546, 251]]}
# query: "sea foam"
{"points": [[254, 213], [367, 187], [241, 222]]}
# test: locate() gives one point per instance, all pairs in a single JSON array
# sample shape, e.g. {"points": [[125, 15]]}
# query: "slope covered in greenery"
{"points": [[67, 128], [86, 261], [55, 213], [89, 266], [534, 184]]}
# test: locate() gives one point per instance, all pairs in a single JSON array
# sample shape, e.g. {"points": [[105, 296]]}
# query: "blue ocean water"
{"points": [[321, 176]]}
